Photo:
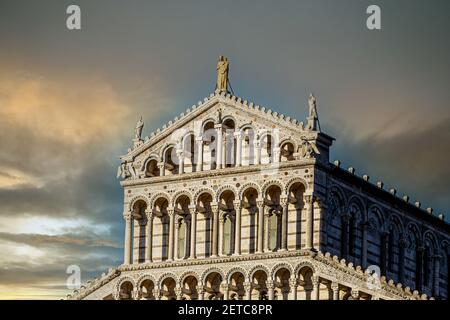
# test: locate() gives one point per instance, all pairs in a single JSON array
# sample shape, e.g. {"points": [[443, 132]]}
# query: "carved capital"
{"points": [[200, 289], [237, 204], [334, 286], [149, 214], [128, 216]]}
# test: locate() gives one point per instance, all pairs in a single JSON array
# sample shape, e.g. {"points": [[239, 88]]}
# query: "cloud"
{"points": [[413, 161]]}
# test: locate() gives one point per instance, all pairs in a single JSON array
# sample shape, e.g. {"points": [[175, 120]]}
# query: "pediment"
{"points": [[218, 108]]}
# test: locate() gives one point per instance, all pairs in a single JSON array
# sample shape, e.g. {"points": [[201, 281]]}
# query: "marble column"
{"points": [[221, 230], [260, 236], [225, 290], [315, 292], [175, 237], [157, 294], [364, 245], [270, 289], [219, 146], [199, 141], [293, 288], [238, 149], [401, 260], [179, 293], [180, 155], [436, 260], [419, 275], [171, 212], [193, 239], [237, 234], [383, 253], [128, 249], [335, 289], [201, 292], [276, 155], [266, 229], [149, 237], [215, 210], [162, 169], [257, 151], [284, 223], [248, 290], [345, 219], [310, 223]]}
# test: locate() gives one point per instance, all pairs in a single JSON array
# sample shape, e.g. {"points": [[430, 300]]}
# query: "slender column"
{"points": [[193, 239], [284, 221], [315, 292], [260, 204], [344, 235], [419, 271], [401, 260], [237, 233], [335, 288], [175, 237], [128, 243], [238, 148], [219, 146], [266, 229], [221, 227], [178, 293], [436, 259], [157, 294], [215, 210], [310, 223], [201, 292], [162, 169], [293, 286], [383, 253], [149, 237], [199, 141], [225, 289], [171, 212], [364, 245], [224, 151], [276, 154], [248, 290], [180, 155], [270, 289], [257, 151]]}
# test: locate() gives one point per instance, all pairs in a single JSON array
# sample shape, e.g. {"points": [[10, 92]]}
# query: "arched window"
{"points": [[266, 145], [287, 152], [151, 169]]}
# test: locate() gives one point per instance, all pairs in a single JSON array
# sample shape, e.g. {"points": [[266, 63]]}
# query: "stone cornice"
{"points": [[327, 267], [219, 172]]}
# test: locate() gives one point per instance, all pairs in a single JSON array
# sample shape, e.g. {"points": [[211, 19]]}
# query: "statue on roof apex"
{"points": [[312, 118], [138, 129], [222, 74]]}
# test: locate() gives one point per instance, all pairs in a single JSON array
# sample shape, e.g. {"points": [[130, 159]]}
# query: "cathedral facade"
{"points": [[234, 201]]}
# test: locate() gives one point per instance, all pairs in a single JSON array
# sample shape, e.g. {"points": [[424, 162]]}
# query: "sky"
{"points": [[69, 100]]}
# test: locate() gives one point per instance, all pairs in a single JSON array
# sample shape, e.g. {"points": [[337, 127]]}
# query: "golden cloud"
{"points": [[73, 112]]}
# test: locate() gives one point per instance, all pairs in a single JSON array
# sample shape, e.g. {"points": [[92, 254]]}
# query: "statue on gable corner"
{"points": [[126, 170], [308, 149]]}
